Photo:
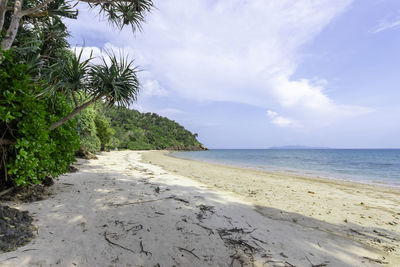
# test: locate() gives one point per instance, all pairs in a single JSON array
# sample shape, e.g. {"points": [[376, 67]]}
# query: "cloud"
{"points": [[152, 88], [235, 51], [387, 25], [280, 121]]}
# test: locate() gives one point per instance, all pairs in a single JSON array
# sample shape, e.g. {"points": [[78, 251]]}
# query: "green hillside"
{"points": [[138, 131]]}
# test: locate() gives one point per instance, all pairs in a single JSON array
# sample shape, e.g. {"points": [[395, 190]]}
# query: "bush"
{"points": [[25, 118], [86, 128], [104, 132]]}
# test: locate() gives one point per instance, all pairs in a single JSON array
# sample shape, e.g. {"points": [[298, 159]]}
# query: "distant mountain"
{"points": [[298, 147]]}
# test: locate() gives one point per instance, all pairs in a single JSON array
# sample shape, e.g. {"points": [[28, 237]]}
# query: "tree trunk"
{"points": [[3, 10], [14, 25], [75, 100], [73, 113]]}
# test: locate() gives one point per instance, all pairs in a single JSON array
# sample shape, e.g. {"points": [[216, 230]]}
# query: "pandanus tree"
{"points": [[115, 80]]}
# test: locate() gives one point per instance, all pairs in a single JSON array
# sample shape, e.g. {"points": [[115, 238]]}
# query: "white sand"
{"points": [[119, 211]]}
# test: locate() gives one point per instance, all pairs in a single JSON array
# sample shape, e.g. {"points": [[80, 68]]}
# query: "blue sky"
{"points": [[255, 74]]}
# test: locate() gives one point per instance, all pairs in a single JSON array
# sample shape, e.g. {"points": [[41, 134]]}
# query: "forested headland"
{"points": [[103, 129]]}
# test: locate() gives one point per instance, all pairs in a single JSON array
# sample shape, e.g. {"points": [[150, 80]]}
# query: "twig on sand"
{"points": [[136, 228], [188, 251], [210, 231], [115, 244], [181, 200], [142, 250], [29, 249], [259, 240], [139, 202], [355, 231], [376, 260]]}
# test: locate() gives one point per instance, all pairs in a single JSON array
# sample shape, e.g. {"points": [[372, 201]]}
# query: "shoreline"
{"points": [[291, 173], [300, 173], [365, 213]]}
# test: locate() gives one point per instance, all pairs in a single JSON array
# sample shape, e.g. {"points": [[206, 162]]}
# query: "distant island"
{"points": [[299, 147]]}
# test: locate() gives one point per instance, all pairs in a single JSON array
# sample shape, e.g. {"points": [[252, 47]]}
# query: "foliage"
{"points": [[25, 118], [140, 131], [117, 81], [86, 128], [105, 132]]}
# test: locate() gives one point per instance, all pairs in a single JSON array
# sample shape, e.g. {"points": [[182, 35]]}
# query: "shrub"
{"points": [[25, 118]]}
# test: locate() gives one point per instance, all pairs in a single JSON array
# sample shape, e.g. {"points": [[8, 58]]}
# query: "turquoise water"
{"points": [[362, 165]]}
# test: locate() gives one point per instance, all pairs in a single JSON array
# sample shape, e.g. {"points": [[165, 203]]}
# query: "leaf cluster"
{"points": [[38, 152]]}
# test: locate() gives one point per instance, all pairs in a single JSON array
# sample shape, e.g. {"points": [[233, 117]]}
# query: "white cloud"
{"points": [[387, 25], [234, 50], [152, 88], [280, 121]]}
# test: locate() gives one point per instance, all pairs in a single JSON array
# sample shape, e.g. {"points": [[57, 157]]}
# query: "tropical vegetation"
{"points": [[48, 91]]}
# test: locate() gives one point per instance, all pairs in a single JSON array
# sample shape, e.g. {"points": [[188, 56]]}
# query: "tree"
{"points": [[13, 14]]}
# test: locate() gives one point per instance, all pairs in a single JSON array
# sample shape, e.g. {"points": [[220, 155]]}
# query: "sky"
{"points": [[263, 73]]}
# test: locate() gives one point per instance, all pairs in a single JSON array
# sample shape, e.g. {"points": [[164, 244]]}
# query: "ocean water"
{"points": [[380, 166]]}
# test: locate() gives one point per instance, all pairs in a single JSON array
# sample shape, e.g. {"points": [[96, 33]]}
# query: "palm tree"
{"points": [[115, 81]]}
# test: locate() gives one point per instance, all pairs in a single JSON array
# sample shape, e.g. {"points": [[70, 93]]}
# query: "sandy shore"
{"points": [[368, 214], [121, 211]]}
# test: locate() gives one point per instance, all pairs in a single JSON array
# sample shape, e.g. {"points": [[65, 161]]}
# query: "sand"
{"points": [[122, 211]]}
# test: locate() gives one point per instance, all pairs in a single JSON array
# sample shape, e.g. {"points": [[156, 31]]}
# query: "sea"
{"points": [[372, 166]]}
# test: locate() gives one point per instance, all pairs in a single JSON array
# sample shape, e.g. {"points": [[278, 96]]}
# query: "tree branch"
{"points": [[6, 142], [73, 113], [75, 100], [36, 8], [14, 25], [3, 10]]}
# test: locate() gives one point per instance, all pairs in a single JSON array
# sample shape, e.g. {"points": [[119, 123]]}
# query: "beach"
{"points": [[135, 208]]}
